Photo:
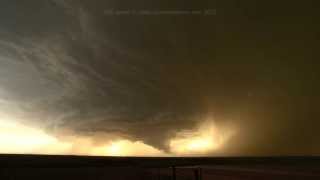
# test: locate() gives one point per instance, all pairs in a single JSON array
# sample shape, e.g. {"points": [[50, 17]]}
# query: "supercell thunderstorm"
{"points": [[67, 87], [75, 79]]}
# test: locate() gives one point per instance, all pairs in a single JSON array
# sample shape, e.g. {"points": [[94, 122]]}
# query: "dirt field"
{"points": [[89, 168]]}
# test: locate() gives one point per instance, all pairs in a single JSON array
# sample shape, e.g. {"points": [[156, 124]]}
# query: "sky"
{"points": [[160, 78]]}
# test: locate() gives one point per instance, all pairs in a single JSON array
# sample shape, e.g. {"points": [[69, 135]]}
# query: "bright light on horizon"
{"points": [[207, 138], [16, 138], [20, 139], [127, 148]]}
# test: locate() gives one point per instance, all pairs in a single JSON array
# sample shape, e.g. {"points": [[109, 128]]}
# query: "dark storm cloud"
{"points": [[65, 72], [66, 65]]}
